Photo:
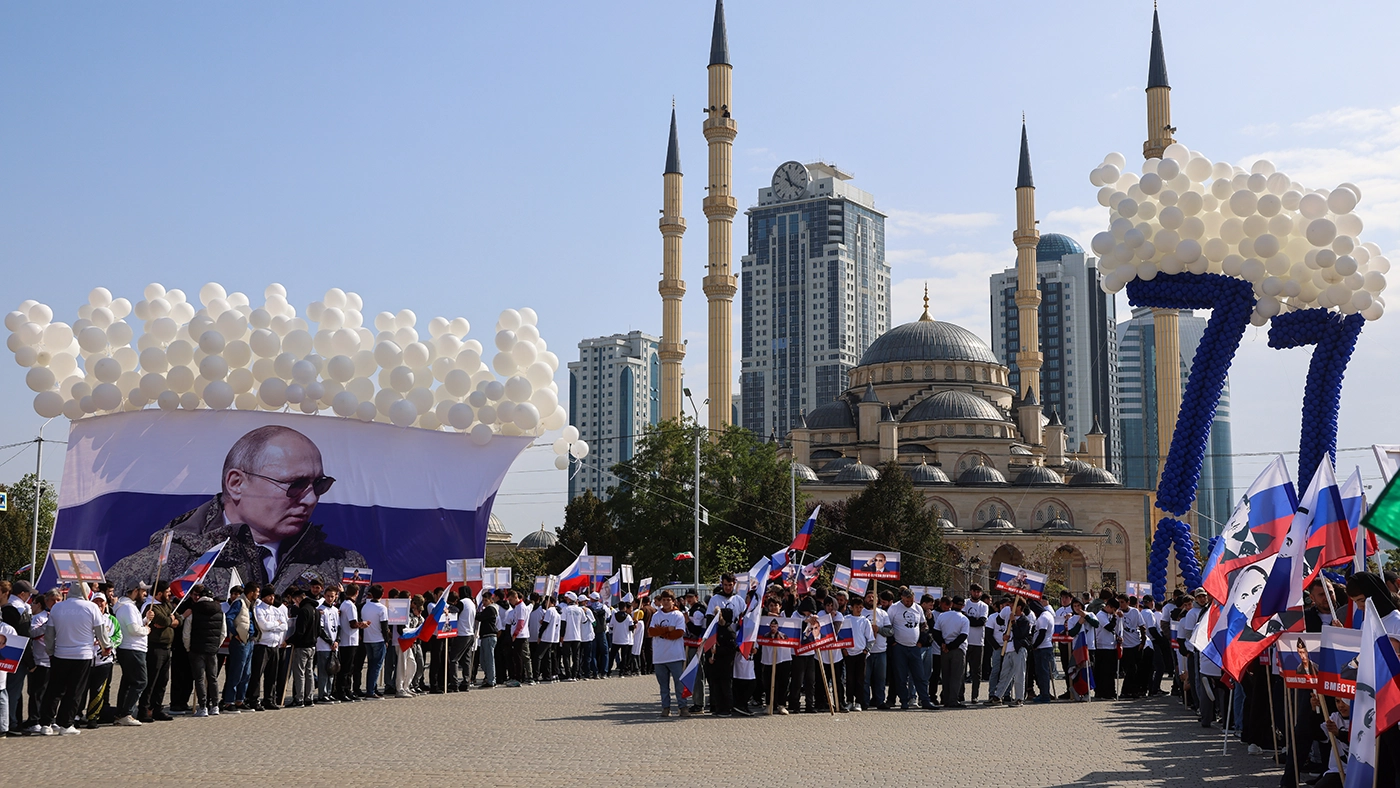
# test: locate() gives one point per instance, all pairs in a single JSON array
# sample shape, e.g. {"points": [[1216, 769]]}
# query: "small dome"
{"points": [[1053, 246], [1076, 466], [542, 539], [804, 473], [857, 473], [1037, 475], [837, 465], [929, 474], [998, 524], [1021, 451], [945, 525], [981, 476], [954, 406], [1059, 525], [927, 340], [833, 415], [496, 530], [1094, 477]]}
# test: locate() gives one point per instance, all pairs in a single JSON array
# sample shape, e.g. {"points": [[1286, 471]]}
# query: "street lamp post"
{"points": [[696, 559], [38, 491]]}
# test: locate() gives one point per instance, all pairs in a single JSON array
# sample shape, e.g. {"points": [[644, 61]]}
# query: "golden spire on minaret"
{"points": [[720, 207], [672, 287], [926, 317]]}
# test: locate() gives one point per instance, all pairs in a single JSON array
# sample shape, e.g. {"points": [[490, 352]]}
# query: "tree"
{"points": [[744, 487], [732, 556], [524, 565], [890, 514], [17, 525], [586, 522]]}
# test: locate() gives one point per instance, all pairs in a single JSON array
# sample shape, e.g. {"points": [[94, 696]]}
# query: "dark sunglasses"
{"points": [[296, 488]]}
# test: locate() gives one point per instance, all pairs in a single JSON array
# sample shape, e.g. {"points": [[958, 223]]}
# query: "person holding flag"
{"points": [[1375, 740]]}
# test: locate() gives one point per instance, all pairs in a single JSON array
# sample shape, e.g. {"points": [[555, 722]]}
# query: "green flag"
{"points": [[1384, 516]]}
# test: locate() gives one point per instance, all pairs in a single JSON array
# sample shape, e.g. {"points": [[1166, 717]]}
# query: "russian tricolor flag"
{"points": [[1079, 655], [1318, 535], [201, 566], [804, 536], [689, 677], [572, 579], [436, 618], [707, 640], [1255, 530], [1354, 504], [1377, 704]]}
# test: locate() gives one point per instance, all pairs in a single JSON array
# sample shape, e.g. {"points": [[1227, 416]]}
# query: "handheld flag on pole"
{"points": [[436, 618], [165, 547], [1080, 675], [1375, 705], [689, 675], [1316, 536], [574, 578], [707, 640], [1354, 504], [1255, 529], [808, 574], [201, 566], [804, 534], [615, 586], [644, 588], [11, 653]]}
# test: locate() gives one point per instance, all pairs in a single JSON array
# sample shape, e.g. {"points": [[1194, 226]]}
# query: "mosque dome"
{"points": [[542, 539], [928, 340], [981, 476], [928, 474], [1053, 246], [1076, 466], [998, 524], [833, 415], [496, 531], [1094, 477], [857, 473], [1059, 525], [953, 405], [1037, 475], [836, 465], [804, 473]]}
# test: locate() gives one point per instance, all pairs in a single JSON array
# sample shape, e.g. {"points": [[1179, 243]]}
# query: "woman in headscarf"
{"points": [[1361, 587]]}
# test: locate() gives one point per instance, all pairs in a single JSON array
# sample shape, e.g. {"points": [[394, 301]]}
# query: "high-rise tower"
{"points": [[672, 287], [1165, 322], [1026, 238], [720, 207]]}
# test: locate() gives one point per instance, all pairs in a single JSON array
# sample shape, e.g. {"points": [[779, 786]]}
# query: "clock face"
{"points": [[790, 181]]}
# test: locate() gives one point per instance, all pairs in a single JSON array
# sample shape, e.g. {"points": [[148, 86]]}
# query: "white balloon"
{"points": [[295, 393], [40, 379], [106, 370], [504, 364], [388, 355], [106, 396], [460, 416], [365, 411], [218, 395], [402, 413], [168, 400], [1321, 232], [562, 463], [1312, 206], [344, 404], [579, 449], [273, 393], [570, 433]]}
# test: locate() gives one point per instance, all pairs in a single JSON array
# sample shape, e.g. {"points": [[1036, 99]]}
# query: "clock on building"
{"points": [[790, 181]]}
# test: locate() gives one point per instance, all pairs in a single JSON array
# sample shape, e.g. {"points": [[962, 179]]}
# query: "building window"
{"points": [[908, 373], [984, 374], [889, 374], [967, 373], [947, 373], [928, 372]]}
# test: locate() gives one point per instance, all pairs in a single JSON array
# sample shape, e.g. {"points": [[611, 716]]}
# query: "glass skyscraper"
{"points": [[815, 293], [1078, 340], [1138, 387]]}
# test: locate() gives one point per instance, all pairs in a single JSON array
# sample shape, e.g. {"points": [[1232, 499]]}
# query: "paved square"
{"points": [[608, 733]]}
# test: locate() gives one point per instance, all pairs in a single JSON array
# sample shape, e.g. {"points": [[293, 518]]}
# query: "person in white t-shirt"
{"points": [[862, 638], [621, 626], [976, 611], [776, 662], [910, 678], [575, 621], [348, 680], [1043, 652], [377, 640], [537, 649], [951, 630], [462, 650], [1134, 630], [876, 662], [271, 619], [667, 628], [550, 622], [327, 642]]}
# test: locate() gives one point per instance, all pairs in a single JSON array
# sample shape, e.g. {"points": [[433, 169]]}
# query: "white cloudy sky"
{"points": [[457, 160]]}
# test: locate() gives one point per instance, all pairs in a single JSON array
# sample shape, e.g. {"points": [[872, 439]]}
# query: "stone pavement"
{"points": [[607, 733]]}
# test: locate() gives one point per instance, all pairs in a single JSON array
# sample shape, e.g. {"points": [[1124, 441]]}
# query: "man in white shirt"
{"points": [[271, 619], [910, 679], [327, 642], [976, 611], [131, 656], [1133, 654], [779, 659], [519, 622], [862, 638], [667, 627], [1106, 639], [1043, 652], [347, 681], [375, 615], [75, 625], [997, 630], [952, 631], [575, 619], [620, 628], [876, 664], [462, 650], [550, 622]]}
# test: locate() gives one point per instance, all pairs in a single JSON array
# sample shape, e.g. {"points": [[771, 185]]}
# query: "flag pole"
{"points": [[1292, 739], [772, 677], [1225, 724], [826, 688], [1331, 739], [1273, 729]]}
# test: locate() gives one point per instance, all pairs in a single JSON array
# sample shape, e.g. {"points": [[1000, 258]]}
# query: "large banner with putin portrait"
{"points": [[296, 496]]}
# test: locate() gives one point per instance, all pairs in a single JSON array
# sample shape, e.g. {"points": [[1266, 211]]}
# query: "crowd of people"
{"points": [[259, 650]]}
